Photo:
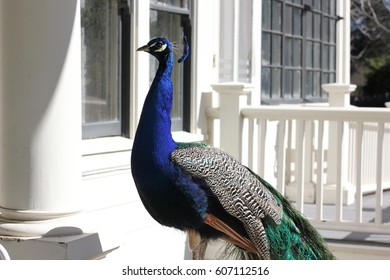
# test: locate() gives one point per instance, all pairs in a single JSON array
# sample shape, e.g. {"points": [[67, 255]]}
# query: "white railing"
{"points": [[324, 158]]}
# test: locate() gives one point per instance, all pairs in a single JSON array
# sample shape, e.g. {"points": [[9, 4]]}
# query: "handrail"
{"points": [[320, 113]]}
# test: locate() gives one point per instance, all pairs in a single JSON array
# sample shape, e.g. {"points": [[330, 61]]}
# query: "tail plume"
{"points": [[295, 238]]}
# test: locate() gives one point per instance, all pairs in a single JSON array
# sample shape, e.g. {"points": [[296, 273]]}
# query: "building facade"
{"points": [[72, 88]]}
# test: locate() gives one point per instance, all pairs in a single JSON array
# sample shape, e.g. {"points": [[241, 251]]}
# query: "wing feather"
{"points": [[240, 193]]}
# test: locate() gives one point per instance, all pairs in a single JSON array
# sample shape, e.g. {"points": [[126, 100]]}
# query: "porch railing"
{"points": [[325, 159]]}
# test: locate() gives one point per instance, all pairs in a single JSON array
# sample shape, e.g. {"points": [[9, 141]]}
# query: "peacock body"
{"points": [[203, 190]]}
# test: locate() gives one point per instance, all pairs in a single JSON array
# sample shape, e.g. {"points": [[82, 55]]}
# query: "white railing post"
{"points": [[336, 183], [231, 99]]}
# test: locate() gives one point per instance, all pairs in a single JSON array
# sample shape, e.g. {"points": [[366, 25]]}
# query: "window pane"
{"points": [[332, 7], [288, 51], [266, 20], [265, 81], [325, 29], [309, 84], [316, 83], [288, 84], [325, 78], [276, 16], [325, 58], [317, 4], [297, 56], [325, 6], [332, 31], [276, 83], [288, 20], [276, 51], [309, 24], [297, 80], [99, 61], [317, 55], [332, 58], [297, 22], [317, 26], [266, 48], [309, 54]]}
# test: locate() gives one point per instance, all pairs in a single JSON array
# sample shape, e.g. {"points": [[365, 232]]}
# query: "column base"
{"points": [[75, 247], [29, 215], [73, 237], [68, 225]]}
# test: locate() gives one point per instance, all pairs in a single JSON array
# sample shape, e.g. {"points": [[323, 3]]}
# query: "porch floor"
{"points": [[368, 215]]}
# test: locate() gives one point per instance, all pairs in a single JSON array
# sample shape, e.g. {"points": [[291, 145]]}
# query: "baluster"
{"points": [[262, 137], [379, 170], [320, 170], [299, 163], [359, 163], [339, 176], [281, 157]]}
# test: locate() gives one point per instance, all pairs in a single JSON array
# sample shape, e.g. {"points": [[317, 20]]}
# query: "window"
{"points": [[298, 49], [170, 18], [105, 27]]}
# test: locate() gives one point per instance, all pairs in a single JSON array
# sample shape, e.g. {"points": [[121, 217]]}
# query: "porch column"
{"points": [[343, 46], [231, 99], [40, 110]]}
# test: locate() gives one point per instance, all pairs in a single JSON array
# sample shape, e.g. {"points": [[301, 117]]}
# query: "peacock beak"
{"points": [[143, 48]]}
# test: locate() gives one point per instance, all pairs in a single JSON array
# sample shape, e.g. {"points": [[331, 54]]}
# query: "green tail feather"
{"points": [[295, 238]]}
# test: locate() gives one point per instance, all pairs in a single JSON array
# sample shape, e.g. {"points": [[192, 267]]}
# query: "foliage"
{"points": [[370, 50], [370, 28], [378, 76]]}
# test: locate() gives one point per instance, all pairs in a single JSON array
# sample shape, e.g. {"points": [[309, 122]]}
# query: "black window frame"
{"points": [[120, 127], [310, 12]]}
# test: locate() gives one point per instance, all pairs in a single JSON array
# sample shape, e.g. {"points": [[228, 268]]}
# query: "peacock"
{"points": [[206, 192]]}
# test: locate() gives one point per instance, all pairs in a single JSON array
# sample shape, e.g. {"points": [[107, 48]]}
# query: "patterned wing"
{"points": [[240, 193]]}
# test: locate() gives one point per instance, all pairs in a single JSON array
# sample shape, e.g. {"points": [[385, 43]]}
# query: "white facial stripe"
{"points": [[163, 47]]}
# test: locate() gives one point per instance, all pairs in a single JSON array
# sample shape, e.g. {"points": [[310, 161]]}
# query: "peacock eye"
{"points": [[159, 46]]}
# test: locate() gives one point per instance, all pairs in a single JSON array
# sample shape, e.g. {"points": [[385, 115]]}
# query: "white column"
{"points": [[232, 97], [343, 47], [40, 107], [236, 39], [256, 52]]}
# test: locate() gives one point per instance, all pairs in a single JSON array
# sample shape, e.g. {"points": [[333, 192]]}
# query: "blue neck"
{"points": [[153, 139]]}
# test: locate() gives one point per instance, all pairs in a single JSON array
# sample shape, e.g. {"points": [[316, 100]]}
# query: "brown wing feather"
{"points": [[231, 235]]}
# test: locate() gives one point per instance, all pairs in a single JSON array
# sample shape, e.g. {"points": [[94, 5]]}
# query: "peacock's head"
{"points": [[158, 47]]}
